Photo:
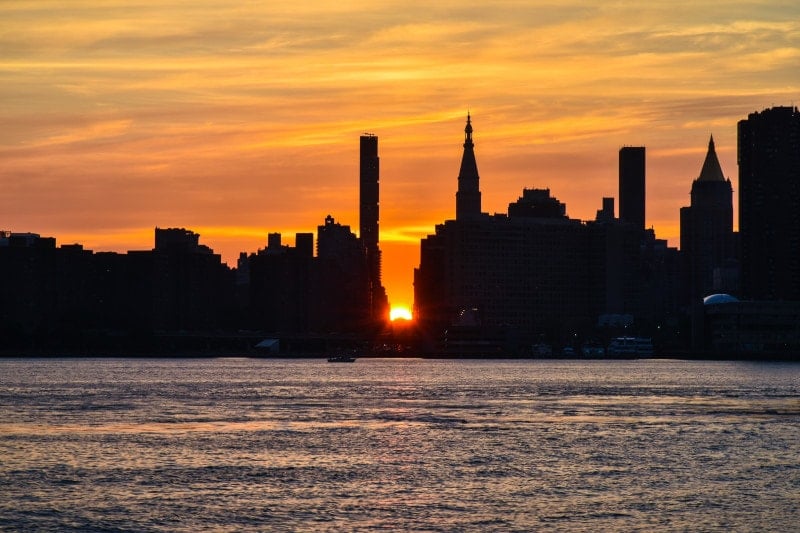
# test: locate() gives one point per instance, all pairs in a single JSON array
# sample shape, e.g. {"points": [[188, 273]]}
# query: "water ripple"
{"points": [[412, 445]]}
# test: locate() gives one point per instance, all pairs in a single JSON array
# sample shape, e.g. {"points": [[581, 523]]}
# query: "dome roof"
{"points": [[713, 299]]}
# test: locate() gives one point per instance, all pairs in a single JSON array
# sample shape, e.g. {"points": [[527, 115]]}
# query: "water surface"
{"points": [[411, 444]]}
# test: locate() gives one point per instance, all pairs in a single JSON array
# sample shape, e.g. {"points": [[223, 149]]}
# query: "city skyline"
{"points": [[242, 120]]}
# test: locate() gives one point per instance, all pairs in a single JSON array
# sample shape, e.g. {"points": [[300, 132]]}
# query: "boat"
{"points": [[341, 359], [630, 347], [593, 349]]}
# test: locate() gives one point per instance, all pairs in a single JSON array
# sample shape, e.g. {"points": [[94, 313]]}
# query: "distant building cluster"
{"points": [[506, 282], [532, 277], [67, 297], [528, 282], [180, 296]]}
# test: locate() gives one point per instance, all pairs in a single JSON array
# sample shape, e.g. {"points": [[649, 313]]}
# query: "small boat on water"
{"points": [[341, 359], [630, 347]]}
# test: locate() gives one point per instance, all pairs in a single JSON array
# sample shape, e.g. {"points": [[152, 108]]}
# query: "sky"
{"points": [[240, 118]]}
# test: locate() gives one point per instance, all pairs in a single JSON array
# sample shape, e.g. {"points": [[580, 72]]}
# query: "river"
{"points": [[398, 445]]}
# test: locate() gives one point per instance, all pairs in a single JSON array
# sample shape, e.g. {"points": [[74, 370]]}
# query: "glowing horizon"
{"points": [[400, 313], [242, 119]]}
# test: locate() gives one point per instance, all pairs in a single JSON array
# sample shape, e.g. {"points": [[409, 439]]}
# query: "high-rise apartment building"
{"points": [[632, 185], [369, 210], [369, 178], [769, 204]]}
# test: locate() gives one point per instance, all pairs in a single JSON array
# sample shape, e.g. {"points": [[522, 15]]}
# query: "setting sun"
{"points": [[400, 313]]}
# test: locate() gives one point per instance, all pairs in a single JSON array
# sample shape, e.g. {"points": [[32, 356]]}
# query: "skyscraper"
{"points": [[342, 299], [769, 204], [707, 232], [369, 178], [632, 185], [468, 196]]}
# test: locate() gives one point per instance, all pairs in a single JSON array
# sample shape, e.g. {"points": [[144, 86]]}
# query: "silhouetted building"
{"points": [[337, 293], [707, 242], [769, 204], [468, 195], [123, 295], [635, 278], [525, 274], [632, 185], [50, 297], [25, 240], [304, 242], [606, 214], [614, 268], [28, 290], [659, 286], [369, 180], [515, 277], [750, 329], [537, 203], [280, 282], [369, 176], [487, 281], [70, 299], [179, 240], [342, 290], [192, 288]]}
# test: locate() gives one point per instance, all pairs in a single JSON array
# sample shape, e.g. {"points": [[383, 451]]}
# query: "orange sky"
{"points": [[240, 118]]}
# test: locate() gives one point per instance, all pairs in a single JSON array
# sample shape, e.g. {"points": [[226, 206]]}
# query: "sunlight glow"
{"points": [[400, 313]]}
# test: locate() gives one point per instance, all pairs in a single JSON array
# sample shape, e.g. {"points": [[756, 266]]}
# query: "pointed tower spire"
{"points": [[468, 196], [712, 171]]}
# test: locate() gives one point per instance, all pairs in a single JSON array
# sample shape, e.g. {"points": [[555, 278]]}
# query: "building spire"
{"points": [[712, 171], [468, 196]]}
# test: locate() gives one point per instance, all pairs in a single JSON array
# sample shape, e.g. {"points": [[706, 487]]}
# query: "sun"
{"points": [[399, 313]]}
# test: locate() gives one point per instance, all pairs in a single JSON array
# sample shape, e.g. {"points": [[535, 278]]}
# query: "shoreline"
{"points": [[222, 354]]}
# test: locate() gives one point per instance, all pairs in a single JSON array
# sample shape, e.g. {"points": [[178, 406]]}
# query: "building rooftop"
{"points": [[714, 299], [712, 171]]}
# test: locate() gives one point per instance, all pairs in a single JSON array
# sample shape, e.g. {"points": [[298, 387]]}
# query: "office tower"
{"points": [[769, 204], [707, 232], [468, 196], [631, 185]]}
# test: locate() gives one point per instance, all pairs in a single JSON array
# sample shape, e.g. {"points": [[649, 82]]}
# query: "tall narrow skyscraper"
{"points": [[707, 232], [468, 196], [369, 177], [632, 185], [769, 204]]}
